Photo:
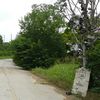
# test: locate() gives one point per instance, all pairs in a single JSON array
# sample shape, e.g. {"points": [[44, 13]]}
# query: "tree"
{"points": [[1, 42], [43, 42], [43, 25], [83, 18]]}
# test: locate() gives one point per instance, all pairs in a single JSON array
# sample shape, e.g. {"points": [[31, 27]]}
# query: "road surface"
{"points": [[18, 84]]}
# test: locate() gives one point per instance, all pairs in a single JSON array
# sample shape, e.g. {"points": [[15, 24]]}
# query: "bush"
{"points": [[31, 55], [94, 64]]}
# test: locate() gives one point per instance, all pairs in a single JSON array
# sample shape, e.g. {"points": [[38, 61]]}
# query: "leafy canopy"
{"points": [[43, 42]]}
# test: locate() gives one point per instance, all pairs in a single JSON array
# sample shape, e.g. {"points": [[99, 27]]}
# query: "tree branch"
{"points": [[76, 6], [71, 7]]}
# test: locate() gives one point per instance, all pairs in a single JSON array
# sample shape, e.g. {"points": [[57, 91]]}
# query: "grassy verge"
{"points": [[61, 75], [5, 57]]}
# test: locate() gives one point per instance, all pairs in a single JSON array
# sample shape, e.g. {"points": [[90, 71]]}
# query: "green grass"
{"points": [[61, 75], [5, 57]]}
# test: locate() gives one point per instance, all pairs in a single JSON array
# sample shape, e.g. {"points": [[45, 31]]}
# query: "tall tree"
{"points": [[83, 17], [42, 42], [42, 25]]}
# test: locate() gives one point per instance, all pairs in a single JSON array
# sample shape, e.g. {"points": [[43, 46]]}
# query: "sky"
{"points": [[11, 12]]}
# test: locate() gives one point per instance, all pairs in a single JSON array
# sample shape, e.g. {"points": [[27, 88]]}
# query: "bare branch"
{"points": [[76, 6], [87, 2], [65, 15], [71, 7], [96, 5]]}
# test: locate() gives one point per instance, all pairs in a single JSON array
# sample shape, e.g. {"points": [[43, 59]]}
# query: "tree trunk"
{"points": [[84, 55]]}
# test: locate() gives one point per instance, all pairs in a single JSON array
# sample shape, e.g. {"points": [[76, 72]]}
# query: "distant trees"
{"points": [[1, 40], [5, 48], [39, 42]]}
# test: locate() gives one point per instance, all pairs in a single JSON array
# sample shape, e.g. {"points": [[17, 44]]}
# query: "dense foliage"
{"points": [[39, 42], [94, 64]]}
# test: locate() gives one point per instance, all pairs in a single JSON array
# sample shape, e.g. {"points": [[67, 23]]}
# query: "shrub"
{"points": [[31, 55], [94, 64]]}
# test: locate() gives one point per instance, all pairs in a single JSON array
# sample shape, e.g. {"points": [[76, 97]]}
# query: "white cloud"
{"points": [[11, 11]]}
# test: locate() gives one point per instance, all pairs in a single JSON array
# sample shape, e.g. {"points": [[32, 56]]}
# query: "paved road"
{"points": [[17, 84]]}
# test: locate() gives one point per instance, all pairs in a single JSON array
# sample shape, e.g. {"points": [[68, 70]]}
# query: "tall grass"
{"points": [[62, 75]]}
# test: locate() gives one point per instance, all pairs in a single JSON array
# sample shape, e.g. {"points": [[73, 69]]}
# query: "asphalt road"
{"points": [[18, 84]]}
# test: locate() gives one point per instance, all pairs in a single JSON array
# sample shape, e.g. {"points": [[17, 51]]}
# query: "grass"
{"points": [[5, 57], [61, 75]]}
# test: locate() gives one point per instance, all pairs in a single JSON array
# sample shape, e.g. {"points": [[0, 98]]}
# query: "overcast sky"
{"points": [[11, 11]]}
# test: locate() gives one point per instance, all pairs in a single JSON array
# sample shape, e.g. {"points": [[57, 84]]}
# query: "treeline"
{"points": [[5, 49]]}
